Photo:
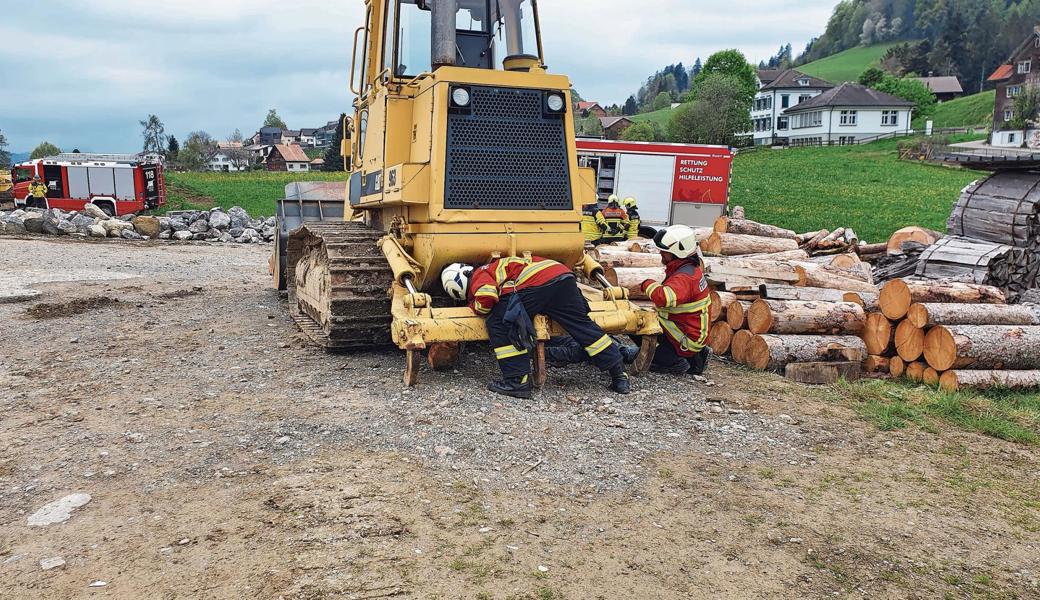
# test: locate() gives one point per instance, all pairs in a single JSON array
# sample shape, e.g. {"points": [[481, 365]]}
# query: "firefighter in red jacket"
{"points": [[538, 286], [682, 302]]}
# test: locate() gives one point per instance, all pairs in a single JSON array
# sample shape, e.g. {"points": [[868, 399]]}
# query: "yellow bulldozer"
{"points": [[6, 197], [461, 149]]}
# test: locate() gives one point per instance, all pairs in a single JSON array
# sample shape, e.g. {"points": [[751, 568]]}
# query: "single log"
{"points": [[847, 261], [736, 315], [909, 341], [822, 278], [981, 347], [869, 249], [738, 347], [745, 227], [927, 315], [720, 302], [796, 317], [639, 245], [856, 273], [720, 337], [443, 356], [807, 294], [620, 258], [737, 212], [879, 335], [911, 234], [953, 381], [915, 371], [790, 255], [896, 366], [899, 294], [823, 373], [931, 377], [877, 364], [628, 278], [774, 352], [768, 271], [731, 244], [850, 237], [868, 300], [836, 237]]}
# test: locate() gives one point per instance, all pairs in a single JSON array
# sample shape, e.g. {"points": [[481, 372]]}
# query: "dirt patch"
{"points": [[179, 294], [190, 196], [76, 306]]}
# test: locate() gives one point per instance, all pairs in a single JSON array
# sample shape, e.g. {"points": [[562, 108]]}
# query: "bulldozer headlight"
{"points": [[460, 97], [554, 102]]}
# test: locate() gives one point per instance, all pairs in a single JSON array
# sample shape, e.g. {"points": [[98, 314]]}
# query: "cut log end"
{"points": [[931, 377], [738, 347], [940, 349], [736, 315], [910, 341], [915, 371], [877, 334], [760, 317], [877, 364], [720, 338], [896, 366], [895, 299]]}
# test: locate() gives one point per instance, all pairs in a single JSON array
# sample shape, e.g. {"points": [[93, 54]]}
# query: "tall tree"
{"points": [[196, 150], [273, 120], [5, 156], [732, 64], [698, 66], [173, 148], [719, 113], [631, 108], [235, 150], [44, 150], [333, 156], [154, 134]]}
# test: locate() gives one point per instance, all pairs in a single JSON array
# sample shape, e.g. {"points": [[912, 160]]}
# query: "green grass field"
{"points": [[847, 65], [661, 117], [968, 111], [257, 192], [864, 187]]}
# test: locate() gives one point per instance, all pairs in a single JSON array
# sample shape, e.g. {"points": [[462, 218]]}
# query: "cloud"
{"points": [[81, 73]]}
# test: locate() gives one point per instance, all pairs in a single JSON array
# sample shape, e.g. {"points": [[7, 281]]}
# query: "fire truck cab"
{"points": [[118, 184]]}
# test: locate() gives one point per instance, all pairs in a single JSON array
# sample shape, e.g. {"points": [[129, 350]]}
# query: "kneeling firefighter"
{"points": [[682, 302], [508, 291]]}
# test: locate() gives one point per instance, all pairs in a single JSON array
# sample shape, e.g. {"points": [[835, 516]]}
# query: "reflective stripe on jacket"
{"points": [[38, 190], [682, 302], [616, 220], [504, 276]]}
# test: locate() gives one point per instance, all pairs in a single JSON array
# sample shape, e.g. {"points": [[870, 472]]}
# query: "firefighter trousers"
{"points": [[562, 302], [667, 359]]}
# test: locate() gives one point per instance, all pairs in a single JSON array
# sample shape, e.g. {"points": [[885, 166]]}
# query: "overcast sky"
{"points": [[82, 73]]}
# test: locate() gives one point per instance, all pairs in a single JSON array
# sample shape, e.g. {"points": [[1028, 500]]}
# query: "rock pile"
{"points": [[216, 225]]}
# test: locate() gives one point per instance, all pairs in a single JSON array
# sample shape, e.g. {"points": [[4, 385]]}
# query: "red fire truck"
{"points": [[118, 184], [675, 184]]}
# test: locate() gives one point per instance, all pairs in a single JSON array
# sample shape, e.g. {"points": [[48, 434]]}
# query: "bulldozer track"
{"points": [[338, 283]]}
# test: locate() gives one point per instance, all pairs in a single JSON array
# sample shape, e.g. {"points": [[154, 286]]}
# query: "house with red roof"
{"points": [[288, 157], [591, 108], [1021, 71]]}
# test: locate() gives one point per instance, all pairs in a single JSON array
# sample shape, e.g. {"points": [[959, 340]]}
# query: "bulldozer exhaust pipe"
{"points": [[443, 34]]}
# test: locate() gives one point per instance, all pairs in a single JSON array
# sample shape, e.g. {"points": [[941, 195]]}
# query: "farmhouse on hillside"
{"points": [[227, 161], [290, 158], [591, 108], [1021, 70], [847, 114], [779, 90], [613, 127], [945, 88]]}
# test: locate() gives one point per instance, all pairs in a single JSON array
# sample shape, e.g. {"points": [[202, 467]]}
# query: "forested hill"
{"points": [[966, 38]]}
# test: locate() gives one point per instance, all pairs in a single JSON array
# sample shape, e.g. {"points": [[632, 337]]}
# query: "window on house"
{"points": [[1008, 114], [1014, 90], [803, 98], [1025, 66], [849, 118], [782, 123], [847, 140], [889, 118], [1012, 138], [803, 82], [785, 101]]}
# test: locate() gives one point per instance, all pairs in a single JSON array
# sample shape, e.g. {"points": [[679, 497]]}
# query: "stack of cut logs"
{"points": [[783, 302], [953, 334]]}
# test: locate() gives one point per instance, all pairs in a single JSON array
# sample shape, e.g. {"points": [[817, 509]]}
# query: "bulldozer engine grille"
{"points": [[507, 154]]}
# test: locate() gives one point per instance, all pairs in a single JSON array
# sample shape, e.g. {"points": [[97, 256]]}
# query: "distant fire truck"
{"points": [[675, 184], [118, 184]]}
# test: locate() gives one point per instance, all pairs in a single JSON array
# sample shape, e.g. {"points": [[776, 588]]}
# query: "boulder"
{"points": [[130, 234], [94, 211], [33, 222], [218, 219], [83, 223], [226, 238], [115, 227], [165, 235], [178, 224], [200, 226], [268, 233], [97, 231], [271, 222], [126, 218], [58, 226], [239, 217], [147, 226], [195, 216], [182, 235], [12, 225], [164, 223], [199, 237], [236, 231]]}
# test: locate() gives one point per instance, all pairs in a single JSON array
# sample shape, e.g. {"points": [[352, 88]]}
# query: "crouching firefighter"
{"points": [[682, 302], [508, 291]]}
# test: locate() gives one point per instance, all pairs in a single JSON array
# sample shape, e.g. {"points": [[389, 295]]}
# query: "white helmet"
{"points": [[678, 240], [455, 280]]}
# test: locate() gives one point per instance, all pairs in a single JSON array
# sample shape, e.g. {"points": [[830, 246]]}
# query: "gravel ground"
{"points": [[225, 458]]}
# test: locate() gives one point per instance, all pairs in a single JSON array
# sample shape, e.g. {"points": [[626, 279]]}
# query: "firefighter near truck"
{"points": [[118, 184]]}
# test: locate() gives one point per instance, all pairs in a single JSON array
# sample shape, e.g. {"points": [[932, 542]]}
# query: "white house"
{"points": [[220, 161], [847, 114], [779, 91]]}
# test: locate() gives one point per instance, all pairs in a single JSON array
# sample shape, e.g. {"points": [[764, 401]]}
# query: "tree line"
{"points": [[964, 38]]}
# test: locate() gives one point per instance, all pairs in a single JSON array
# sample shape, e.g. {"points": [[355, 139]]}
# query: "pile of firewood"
{"points": [[953, 334]]}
